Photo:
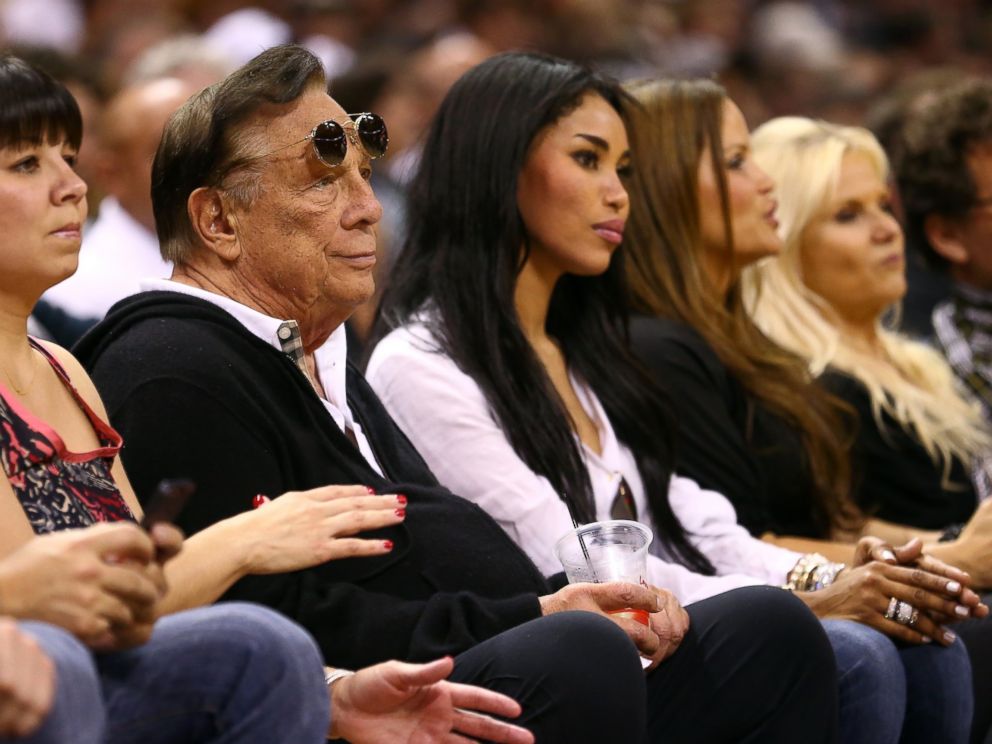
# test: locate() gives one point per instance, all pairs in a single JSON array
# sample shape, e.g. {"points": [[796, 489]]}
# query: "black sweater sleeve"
{"points": [[353, 607]]}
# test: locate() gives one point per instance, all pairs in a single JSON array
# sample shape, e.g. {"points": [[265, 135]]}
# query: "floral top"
{"points": [[59, 489]]}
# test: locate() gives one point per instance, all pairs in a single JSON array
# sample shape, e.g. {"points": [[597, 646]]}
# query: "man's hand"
{"points": [[397, 703], [94, 582], [656, 641], [27, 682]]}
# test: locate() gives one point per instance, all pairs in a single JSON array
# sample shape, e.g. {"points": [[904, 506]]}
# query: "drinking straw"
{"points": [[582, 541]]}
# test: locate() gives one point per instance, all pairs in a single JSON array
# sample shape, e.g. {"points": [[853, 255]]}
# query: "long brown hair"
{"points": [[669, 125]]}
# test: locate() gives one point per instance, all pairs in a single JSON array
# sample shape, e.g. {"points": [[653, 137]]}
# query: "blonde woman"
{"points": [[921, 448]]}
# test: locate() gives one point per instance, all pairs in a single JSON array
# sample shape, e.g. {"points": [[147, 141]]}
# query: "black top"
{"points": [[896, 479], [196, 395], [728, 442]]}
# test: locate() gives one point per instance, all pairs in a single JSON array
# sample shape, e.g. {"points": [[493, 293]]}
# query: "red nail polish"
{"points": [[370, 490], [401, 513], [400, 498], [387, 544], [257, 500]]}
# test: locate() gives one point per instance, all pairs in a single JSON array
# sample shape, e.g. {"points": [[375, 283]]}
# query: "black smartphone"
{"points": [[167, 501]]}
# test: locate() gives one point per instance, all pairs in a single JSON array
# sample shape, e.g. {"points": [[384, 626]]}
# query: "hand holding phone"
{"points": [[167, 501]]}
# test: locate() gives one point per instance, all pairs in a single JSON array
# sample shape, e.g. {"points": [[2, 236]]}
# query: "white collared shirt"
{"points": [[446, 416], [331, 358]]}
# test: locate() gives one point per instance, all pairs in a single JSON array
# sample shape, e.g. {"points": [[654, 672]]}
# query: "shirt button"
{"points": [[285, 333]]}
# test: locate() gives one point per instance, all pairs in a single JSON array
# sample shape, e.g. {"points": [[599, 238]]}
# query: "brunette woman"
{"points": [[507, 364]]}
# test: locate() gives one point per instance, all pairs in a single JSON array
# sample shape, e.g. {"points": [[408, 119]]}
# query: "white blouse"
{"points": [[446, 416]]}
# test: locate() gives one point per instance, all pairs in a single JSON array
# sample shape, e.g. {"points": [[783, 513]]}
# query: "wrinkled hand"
{"points": [[398, 703], [27, 682], [93, 582], [656, 641], [306, 528]]}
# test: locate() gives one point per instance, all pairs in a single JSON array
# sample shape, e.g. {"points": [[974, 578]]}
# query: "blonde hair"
{"points": [[912, 382]]}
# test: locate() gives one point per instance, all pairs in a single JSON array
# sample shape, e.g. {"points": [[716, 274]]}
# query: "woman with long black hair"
{"points": [[506, 363]]}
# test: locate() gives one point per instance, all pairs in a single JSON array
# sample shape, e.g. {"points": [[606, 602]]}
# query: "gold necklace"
{"points": [[27, 388]]}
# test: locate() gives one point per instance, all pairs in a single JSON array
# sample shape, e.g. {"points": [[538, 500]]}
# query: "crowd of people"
{"points": [[388, 311]]}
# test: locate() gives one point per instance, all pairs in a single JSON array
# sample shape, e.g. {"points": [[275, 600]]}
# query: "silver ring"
{"points": [[893, 607], [904, 613]]}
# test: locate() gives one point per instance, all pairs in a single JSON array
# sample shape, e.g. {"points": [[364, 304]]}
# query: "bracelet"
{"points": [[952, 533], [811, 573], [333, 675]]}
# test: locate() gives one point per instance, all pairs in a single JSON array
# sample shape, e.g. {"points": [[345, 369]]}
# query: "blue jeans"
{"points": [[223, 674], [893, 692]]}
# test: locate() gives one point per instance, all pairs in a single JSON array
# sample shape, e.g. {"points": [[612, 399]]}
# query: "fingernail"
{"points": [[888, 555], [401, 513], [370, 490], [401, 499], [258, 499], [953, 587], [927, 639], [949, 637], [387, 544], [961, 611]]}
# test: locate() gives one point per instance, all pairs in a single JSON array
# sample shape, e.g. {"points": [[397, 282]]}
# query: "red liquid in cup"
{"points": [[640, 616]]}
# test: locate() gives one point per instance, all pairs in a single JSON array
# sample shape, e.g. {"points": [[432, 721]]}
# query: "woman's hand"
{"points": [[972, 551], [306, 528], [93, 582], [863, 594], [397, 703], [27, 682]]}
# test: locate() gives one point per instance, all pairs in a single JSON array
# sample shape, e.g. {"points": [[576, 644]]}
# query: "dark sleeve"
{"points": [[176, 429], [711, 446]]}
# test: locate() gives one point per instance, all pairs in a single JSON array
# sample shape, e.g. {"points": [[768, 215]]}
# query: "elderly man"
{"points": [[234, 374], [944, 173]]}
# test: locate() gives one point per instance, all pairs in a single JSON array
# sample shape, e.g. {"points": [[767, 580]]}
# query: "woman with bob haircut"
{"points": [[753, 425], [830, 297], [505, 362], [80, 577]]}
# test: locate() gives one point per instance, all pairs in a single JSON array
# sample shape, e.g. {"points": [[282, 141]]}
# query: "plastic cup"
{"points": [[613, 550]]}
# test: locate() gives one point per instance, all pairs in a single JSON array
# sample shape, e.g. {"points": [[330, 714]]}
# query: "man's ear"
{"points": [[214, 223], [946, 238]]}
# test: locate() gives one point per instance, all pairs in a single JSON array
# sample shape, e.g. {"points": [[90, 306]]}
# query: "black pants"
{"points": [[755, 666]]}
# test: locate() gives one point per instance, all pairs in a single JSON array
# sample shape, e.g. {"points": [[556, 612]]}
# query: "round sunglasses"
{"points": [[330, 138]]}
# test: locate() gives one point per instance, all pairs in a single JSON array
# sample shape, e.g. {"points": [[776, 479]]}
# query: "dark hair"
{"points": [[201, 144], [462, 259], [671, 125], [931, 165], [36, 107]]}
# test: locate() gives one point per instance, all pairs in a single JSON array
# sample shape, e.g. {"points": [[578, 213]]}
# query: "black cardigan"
{"points": [[728, 442], [196, 395], [897, 479]]}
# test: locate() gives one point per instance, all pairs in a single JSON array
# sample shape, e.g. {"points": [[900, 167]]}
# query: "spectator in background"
{"points": [[405, 90], [944, 174], [120, 248]]}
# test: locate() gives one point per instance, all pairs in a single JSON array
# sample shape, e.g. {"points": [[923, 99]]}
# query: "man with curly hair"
{"points": [[943, 167]]}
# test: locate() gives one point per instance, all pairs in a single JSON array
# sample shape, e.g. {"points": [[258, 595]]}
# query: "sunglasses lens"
{"points": [[372, 131], [330, 142]]}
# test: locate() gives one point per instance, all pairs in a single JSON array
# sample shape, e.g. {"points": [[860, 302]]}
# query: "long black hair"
{"points": [[462, 258], [35, 107]]}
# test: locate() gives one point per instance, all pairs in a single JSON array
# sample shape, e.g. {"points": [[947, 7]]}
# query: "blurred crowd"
{"points": [[844, 61]]}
